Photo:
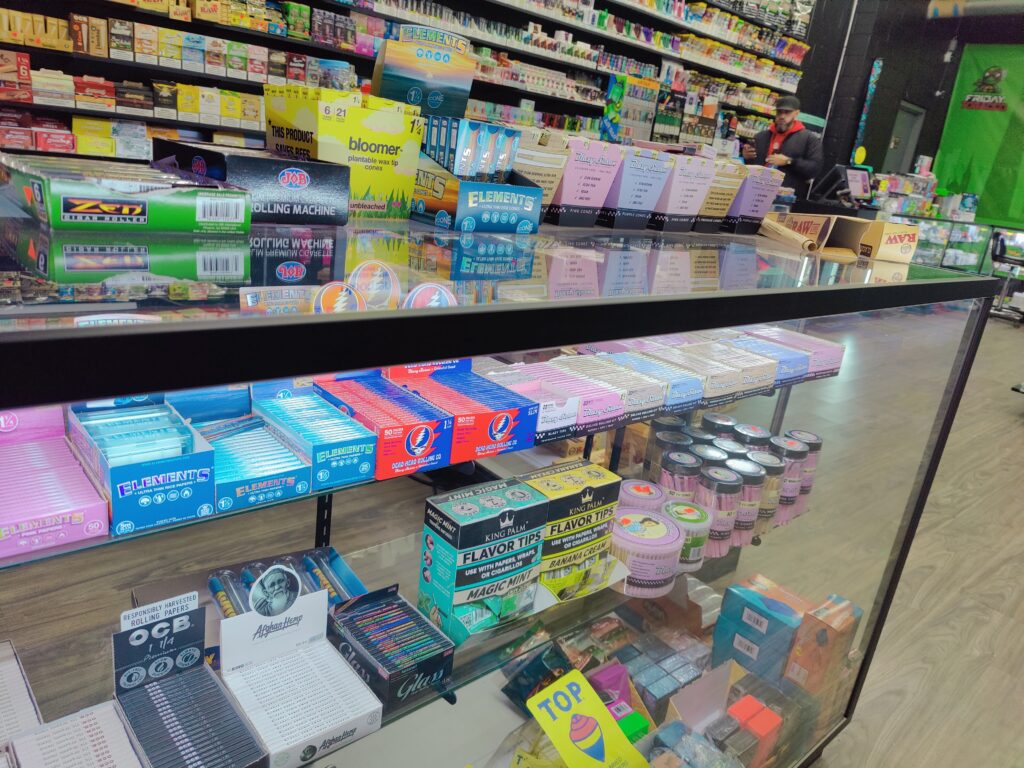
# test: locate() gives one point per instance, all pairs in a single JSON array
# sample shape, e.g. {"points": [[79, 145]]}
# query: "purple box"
{"points": [[585, 183], [684, 193], [754, 200], [638, 185]]}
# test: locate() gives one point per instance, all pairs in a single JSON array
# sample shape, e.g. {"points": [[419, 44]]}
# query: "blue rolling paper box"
{"points": [[793, 364], [249, 485], [153, 493]]}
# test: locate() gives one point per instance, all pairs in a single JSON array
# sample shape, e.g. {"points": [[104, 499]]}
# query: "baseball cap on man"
{"points": [[788, 103]]}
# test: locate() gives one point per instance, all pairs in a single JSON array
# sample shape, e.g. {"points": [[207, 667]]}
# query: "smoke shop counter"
{"points": [[84, 297]]}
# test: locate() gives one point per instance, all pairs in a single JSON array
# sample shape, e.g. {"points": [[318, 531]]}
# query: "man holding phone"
{"points": [[788, 146]]}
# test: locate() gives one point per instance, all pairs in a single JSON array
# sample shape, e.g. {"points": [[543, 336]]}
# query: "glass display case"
{"points": [[689, 467], [957, 245]]}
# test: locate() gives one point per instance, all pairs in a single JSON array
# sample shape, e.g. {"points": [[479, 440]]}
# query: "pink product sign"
{"points": [[572, 278], [589, 173], [640, 180], [757, 192], [21, 425], [684, 193]]}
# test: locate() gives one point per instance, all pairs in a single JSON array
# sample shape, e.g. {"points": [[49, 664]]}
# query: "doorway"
{"points": [[903, 142]]}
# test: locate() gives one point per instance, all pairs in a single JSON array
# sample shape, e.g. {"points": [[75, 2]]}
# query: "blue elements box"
{"points": [[340, 449], [448, 202], [481, 556], [154, 467], [685, 389], [426, 67], [251, 465]]}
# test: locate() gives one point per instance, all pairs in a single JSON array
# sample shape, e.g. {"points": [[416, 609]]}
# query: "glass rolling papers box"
{"points": [[582, 498], [481, 555], [393, 647], [427, 68], [283, 191], [378, 139], [155, 468], [73, 193]]}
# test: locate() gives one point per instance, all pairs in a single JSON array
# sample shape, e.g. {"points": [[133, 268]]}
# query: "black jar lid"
{"points": [[752, 434], [681, 463], [751, 472], [670, 440], [711, 456], [734, 449], [788, 448], [811, 440], [717, 422], [698, 435], [720, 480], [771, 463]]}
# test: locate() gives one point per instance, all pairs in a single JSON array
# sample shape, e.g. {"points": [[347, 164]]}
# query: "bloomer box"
{"points": [[415, 668], [585, 183], [283, 191], [341, 451], [488, 419], [822, 644], [413, 435], [149, 494], [62, 193], [638, 184], [446, 201], [378, 139], [481, 555], [581, 508]]}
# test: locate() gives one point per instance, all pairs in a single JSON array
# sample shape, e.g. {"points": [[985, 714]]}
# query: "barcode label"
{"points": [[620, 709], [744, 646], [214, 264], [693, 554], [755, 620], [796, 673], [228, 209]]}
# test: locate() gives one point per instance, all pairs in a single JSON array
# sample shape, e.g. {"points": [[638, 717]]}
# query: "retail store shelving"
{"points": [[67, 110]]}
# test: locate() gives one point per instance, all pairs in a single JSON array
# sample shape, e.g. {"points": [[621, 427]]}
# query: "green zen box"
{"points": [[75, 193]]}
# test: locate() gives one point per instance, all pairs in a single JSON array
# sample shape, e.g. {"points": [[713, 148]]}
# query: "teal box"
{"points": [[480, 556]]}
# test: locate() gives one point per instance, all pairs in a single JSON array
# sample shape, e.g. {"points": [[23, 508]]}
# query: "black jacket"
{"points": [[804, 148]]}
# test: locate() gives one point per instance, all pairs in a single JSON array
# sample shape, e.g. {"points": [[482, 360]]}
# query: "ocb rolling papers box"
{"points": [[283, 191]]}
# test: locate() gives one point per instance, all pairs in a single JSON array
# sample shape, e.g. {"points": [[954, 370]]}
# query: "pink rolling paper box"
{"points": [[638, 185], [559, 408], [825, 356], [46, 499], [684, 192], [600, 407], [754, 200], [585, 183]]}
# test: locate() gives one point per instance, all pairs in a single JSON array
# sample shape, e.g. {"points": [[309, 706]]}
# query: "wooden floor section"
{"points": [[945, 687]]}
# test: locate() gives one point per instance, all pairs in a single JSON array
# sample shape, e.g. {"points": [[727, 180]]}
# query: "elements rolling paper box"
{"points": [[67, 193], [582, 498], [586, 181], [754, 200], [283, 191], [466, 205], [398, 653], [155, 468], [378, 139], [274, 660], [725, 186], [640, 180], [481, 556], [427, 68], [684, 193], [46, 498]]}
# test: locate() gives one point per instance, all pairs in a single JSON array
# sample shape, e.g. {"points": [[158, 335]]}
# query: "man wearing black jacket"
{"points": [[788, 146]]}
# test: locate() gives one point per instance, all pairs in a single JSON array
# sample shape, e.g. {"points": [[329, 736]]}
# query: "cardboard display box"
{"points": [[426, 67]]}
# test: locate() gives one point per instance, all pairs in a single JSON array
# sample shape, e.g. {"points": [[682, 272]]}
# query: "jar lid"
{"points": [[751, 434], [751, 472], [717, 422], [710, 455], [788, 448], [686, 513], [772, 464], [670, 439], [730, 446], [642, 529], [720, 480], [812, 441], [698, 435], [667, 423], [641, 491], [680, 463]]}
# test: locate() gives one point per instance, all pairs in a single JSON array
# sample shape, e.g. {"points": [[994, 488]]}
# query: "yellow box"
{"points": [[97, 127], [207, 10], [188, 102], [252, 111], [230, 109], [380, 146], [94, 145], [170, 42], [160, 6]]}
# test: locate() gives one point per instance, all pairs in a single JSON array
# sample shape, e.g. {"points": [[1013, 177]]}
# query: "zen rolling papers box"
{"points": [[283, 191], [481, 555]]}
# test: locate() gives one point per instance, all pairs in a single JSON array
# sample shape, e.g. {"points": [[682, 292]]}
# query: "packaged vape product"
{"points": [[413, 435], [481, 556], [582, 498], [282, 190]]}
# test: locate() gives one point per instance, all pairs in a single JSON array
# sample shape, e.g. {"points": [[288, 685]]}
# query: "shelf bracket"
{"points": [[324, 505]]}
